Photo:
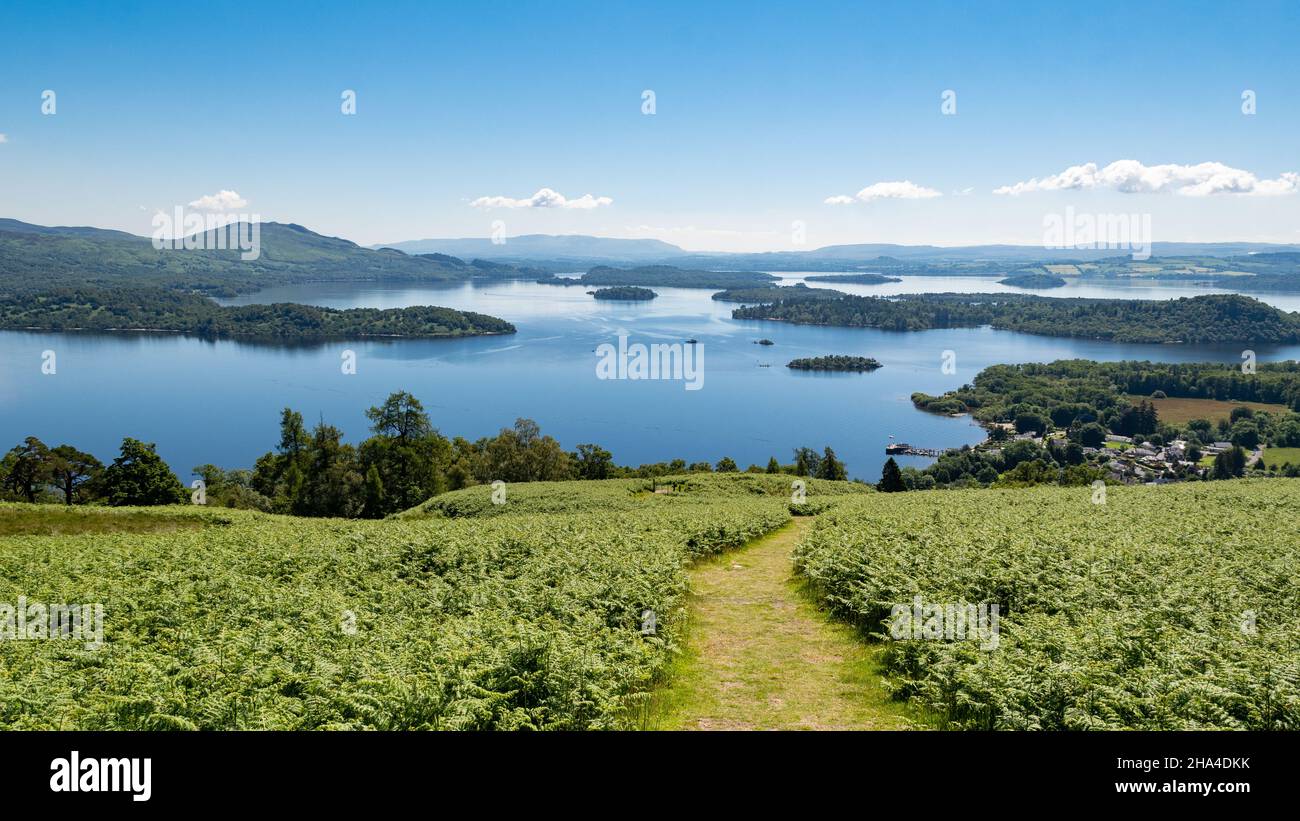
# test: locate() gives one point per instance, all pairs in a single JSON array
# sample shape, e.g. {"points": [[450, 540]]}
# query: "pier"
{"points": [[904, 449]]}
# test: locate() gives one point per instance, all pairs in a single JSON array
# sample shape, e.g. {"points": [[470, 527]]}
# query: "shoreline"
{"points": [[254, 338]]}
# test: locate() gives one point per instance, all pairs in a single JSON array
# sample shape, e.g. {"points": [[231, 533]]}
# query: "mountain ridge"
{"points": [[543, 246], [604, 250]]}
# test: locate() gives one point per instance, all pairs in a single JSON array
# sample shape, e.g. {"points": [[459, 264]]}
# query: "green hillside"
{"points": [[61, 279], [564, 605], [252, 621], [37, 258]]}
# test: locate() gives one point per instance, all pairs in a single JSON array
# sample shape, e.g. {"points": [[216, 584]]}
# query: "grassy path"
{"points": [[761, 656]]}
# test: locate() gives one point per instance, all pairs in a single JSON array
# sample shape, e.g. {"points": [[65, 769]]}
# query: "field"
{"points": [[1163, 608], [1179, 411], [49, 520], [1281, 456], [240, 620]]}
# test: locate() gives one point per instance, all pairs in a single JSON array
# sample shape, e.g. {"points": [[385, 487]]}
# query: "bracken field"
{"points": [[521, 620], [1173, 607], [1164, 608]]}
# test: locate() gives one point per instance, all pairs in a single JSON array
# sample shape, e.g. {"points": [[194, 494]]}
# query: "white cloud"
{"points": [[221, 201], [1072, 178], [905, 190], [4, 138], [1286, 183], [1132, 177], [544, 198]]}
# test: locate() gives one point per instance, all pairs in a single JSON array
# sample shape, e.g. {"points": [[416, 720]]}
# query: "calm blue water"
{"points": [[219, 402]]}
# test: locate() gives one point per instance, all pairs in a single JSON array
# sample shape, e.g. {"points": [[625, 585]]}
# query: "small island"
{"points": [[856, 279], [1033, 281], [629, 293], [764, 342], [835, 363], [774, 293]]}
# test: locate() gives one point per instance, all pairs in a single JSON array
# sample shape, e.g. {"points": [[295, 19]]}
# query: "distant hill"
{"points": [[40, 256], [554, 251], [546, 247], [60, 278], [37, 257], [1038, 252], [983, 260]]}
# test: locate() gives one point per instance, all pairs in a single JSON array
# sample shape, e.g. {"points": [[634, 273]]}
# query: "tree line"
{"points": [[33, 472], [314, 472]]}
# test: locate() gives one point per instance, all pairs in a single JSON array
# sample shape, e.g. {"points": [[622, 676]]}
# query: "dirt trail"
{"points": [[761, 656]]}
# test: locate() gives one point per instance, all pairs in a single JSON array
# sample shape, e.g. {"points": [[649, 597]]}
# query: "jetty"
{"points": [[904, 449]]}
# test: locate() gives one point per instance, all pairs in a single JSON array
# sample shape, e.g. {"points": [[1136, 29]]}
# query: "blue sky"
{"points": [[763, 111]]}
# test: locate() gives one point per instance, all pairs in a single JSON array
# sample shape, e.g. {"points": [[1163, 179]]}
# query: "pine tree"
{"points": [[1238, 462], [891, 478], [831, 468], [374, 495], [806, 461], [139, 476], [1222, 467]]}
